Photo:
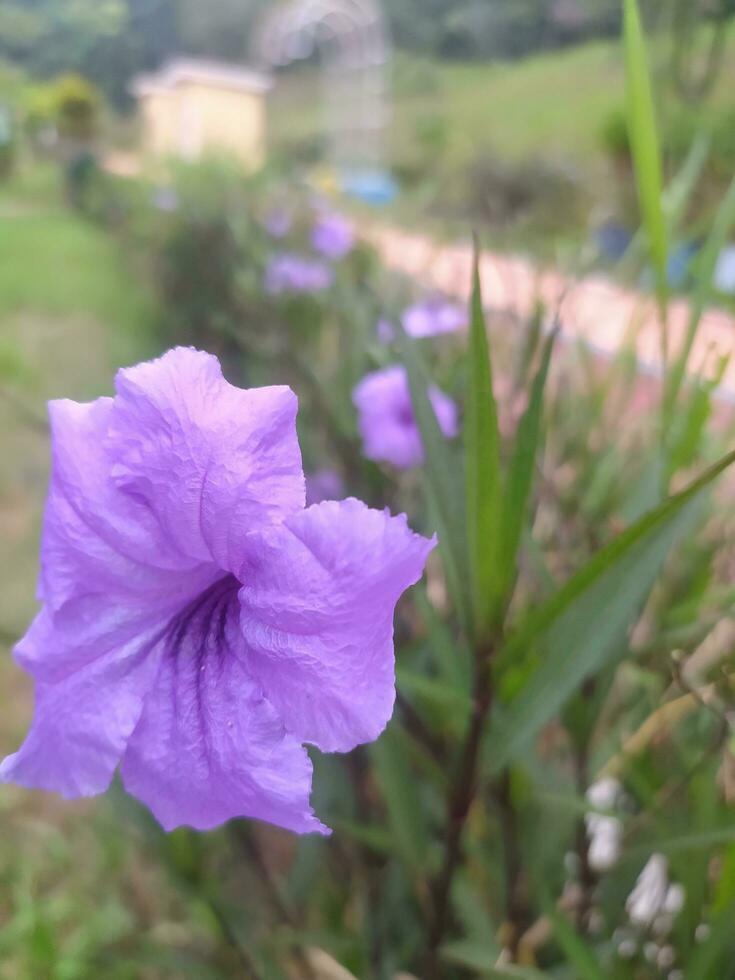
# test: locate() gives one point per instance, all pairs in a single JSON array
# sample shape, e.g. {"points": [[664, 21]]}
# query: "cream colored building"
{"points": [[193, 108]]}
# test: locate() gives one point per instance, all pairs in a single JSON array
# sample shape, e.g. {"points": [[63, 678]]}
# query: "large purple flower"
{"points": [[436, 315], [198, 624], [289, 273], [387, 423], [332, 235]]}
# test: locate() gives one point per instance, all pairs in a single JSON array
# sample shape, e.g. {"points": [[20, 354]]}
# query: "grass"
{"points": [[80, 894], [552, 104]]}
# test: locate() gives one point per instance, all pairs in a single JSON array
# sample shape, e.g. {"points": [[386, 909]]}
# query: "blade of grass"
{"points": [[522, 466], [584, 625], [441, 482], [645, 146], [717, 239], [482, 468], [579, 954]]}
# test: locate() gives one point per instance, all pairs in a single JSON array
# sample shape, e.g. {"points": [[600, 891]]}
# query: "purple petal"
{"points": [[95, 538], [209, 746], [317, 616], [86, 713], [210, 460]]}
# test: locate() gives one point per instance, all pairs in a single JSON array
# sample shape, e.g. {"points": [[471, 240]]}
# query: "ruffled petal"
{"points": [[211, 461], [317, 615], [209, 746], [88, 704], [95, 538]]}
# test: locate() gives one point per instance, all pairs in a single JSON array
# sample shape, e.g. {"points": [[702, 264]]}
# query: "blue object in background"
{"points": [[377, 187], [678, 267], [724, 277], [612, 240]]}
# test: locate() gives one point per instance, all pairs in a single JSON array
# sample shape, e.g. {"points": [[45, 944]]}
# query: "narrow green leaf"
{"points": [[714, 955], [690, 420], [441, 479], [376, 838], [676, 199], [483, 473], [584, 625], [522, 467], [645, 144], [450, 655], [435, 692], [698, 840], [579, 954], [482, 958], [717, 239], [400, 792]]}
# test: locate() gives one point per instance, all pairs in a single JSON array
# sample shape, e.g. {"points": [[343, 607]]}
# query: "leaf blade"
{"points": [[482, 469], [617, 580], [645, 144]]}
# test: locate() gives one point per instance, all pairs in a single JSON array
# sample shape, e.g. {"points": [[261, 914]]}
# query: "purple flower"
{"points": [[277, 222], [198, 624], [332, 235], [295, 274], [434, 316], [386, 331], [324, 485], [387, 423]]}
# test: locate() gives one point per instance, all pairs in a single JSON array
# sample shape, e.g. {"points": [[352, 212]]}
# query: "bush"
{"points": [[76, 107]]}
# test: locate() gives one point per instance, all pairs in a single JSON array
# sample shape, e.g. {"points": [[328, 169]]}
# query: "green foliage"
{"points": [[484, 491], [645, 148]]}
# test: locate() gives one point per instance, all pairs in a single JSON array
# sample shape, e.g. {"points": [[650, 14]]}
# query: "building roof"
{"points": [[218, 74]]}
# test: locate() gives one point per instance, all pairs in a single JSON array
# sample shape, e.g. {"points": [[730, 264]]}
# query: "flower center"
{"points": [[200, 629]]}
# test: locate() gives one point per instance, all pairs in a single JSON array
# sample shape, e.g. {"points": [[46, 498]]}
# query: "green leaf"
{"points": [[451, 700], [449, 654], [717, 239], [579, 954], [482, 957], [714, 955], [583, 626], [400, 792], [376, 838], [689, 422], [645, 145], [522, 466], [442, 484], [483, 473], [699, 840]]}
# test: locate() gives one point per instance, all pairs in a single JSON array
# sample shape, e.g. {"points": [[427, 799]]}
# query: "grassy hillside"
{"points": [[551, 104]]}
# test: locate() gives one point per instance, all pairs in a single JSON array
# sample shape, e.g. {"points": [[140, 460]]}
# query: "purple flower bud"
{"points": [[387, 423], [332, 235], [434, 316], [289, 273]]}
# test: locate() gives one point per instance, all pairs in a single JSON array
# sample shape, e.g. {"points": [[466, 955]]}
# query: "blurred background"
{"points": [[157, 157]]}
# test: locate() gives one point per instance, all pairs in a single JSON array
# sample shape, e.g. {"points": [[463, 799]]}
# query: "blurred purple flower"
{"points": [[386, 331], [386, 419], [324, 485], [289, 273], [198, 624], [433, 316], [278, 222], [165, 199], [332, 235]]}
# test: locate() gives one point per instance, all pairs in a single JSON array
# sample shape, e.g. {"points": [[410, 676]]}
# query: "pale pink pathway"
{"points": [[594, 309]]}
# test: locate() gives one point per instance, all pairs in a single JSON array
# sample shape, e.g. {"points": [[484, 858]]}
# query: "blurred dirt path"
{"points": [[594, 309]]}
